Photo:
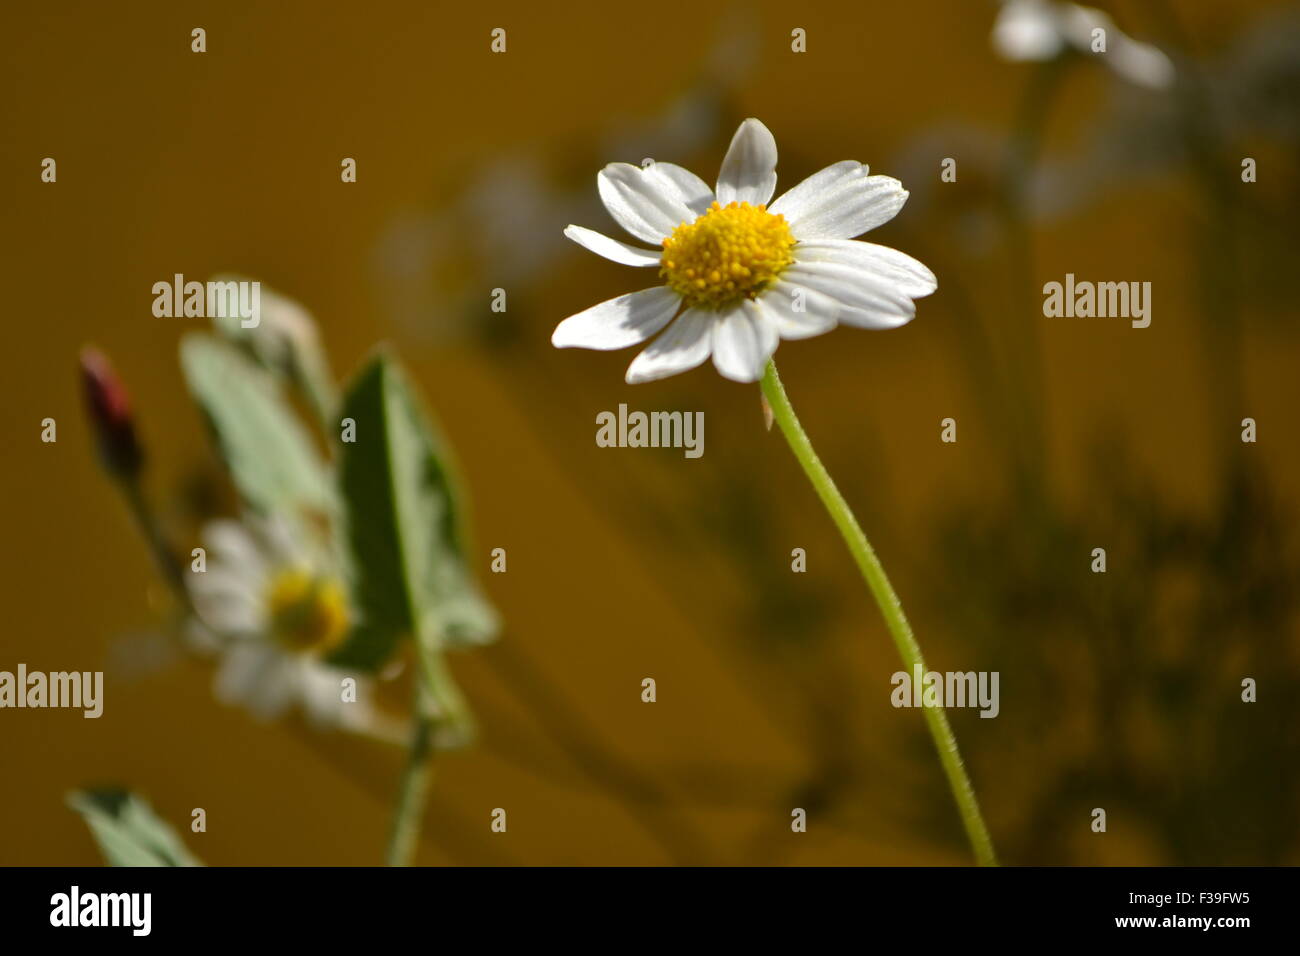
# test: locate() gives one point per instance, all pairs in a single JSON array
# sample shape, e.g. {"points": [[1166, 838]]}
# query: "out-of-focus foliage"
{"points": [[127, 830]]}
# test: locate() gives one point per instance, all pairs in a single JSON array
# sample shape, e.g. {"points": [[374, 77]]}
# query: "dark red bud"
{"points": [[109, 410]]}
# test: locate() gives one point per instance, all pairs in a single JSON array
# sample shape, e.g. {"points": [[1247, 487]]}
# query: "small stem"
{"points": [[1024, 373], [147, 521], [439, 698], [890, 607], [439, 712], [411, 797]]}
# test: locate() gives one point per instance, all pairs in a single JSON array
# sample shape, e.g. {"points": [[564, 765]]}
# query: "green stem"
{"points": [[1024, 373], [149, 525], [890, 607], [440, 713], [405, 832]]}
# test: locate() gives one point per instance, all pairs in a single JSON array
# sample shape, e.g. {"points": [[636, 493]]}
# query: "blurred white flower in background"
{"points": [[272, 611], [1038, 30]]}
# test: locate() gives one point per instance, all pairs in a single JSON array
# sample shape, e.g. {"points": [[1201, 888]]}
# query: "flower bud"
{"points": [[109, 411]]}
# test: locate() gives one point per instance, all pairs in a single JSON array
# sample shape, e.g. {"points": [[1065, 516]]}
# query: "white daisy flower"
{"points": [[739, 275], [275, 612], [1039, 30]]}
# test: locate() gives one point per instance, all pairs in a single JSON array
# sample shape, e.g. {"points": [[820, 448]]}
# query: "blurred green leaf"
{"points": [[404, 532], [285, 341], [127, 830], [403, 523], [271, 458]]}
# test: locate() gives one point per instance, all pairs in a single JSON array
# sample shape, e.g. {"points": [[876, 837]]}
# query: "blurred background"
{"points": [[1118, 690]]}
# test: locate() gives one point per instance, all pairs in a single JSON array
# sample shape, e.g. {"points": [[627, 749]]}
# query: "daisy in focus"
{"points": [[740, 275], [272, 611]]}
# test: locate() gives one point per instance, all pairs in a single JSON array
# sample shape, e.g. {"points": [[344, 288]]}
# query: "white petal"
{"points": [[1075, 23], [693, 191], [256, 676], [220, 581], [645, 204], [744, 338], [1136, 62], [230, 544], [885, 264], [319, 692], [748, 171], [840, 202], [225, 604], [682, 347], [1028, 30], [617, 323], [799, 312], [283, 544], [863, 298], [1142, 63], [612, 249]]}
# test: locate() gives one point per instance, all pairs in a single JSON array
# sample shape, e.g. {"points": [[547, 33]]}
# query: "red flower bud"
{"points": [[109, 410]]}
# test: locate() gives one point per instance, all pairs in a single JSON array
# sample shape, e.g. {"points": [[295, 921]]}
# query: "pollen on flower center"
{"points": [[729, 252], [306, 612]]}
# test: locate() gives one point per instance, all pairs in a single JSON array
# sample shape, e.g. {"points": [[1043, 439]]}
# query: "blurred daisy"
{"points": [[1044, 29], [275, 613], [740, 275]]}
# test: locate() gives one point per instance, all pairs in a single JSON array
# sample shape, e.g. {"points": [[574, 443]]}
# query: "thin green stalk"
{"points": [[149, 525], [412, 795], [1024, 373], [440, 717], [890, 607]]}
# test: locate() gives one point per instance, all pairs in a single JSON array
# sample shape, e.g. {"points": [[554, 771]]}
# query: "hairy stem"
{"points": [[890, 608]]}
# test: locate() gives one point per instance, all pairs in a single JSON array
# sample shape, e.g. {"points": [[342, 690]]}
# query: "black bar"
{"points": [[333, 906]]}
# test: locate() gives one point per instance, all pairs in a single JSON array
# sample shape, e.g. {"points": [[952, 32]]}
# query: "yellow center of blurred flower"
{"points": [[307, 613], [731, 251]]}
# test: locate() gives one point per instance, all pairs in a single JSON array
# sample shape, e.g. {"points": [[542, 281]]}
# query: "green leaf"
{"points": [[127, 830], [405, 536], [286, 342], [446, 599], [271, 458]]}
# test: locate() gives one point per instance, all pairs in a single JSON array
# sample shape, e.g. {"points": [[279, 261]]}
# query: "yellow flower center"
{"points": [[731, 251], [307, 613]]}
